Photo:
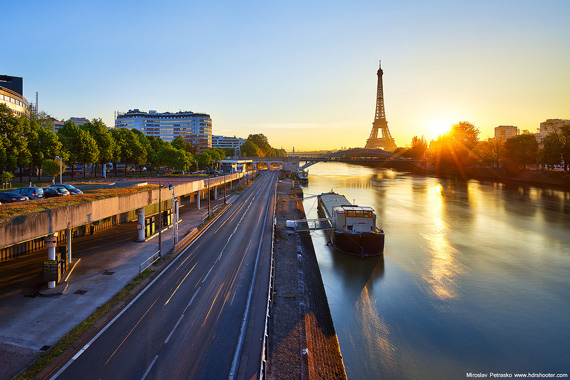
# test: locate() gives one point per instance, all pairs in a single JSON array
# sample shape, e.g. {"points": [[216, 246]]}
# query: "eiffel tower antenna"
{"points": [[385, 142]]}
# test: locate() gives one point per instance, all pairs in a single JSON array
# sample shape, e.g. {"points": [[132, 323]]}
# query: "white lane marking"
{"points": [[208, 273], [149, 368], [174, 329], [244, 323], [181, 282], [85, 347], [190, 303]]}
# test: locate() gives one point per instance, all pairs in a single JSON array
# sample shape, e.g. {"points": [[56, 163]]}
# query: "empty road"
{"points": [[194, 320]]}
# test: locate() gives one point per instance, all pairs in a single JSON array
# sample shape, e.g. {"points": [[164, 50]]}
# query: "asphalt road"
{"points": [[192, 321]]}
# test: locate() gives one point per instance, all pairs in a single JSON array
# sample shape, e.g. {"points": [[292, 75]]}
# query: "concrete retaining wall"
{"points": [[21, 228]]}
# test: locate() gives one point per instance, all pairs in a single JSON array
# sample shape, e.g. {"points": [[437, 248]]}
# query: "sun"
{"points": [[439, 127]]}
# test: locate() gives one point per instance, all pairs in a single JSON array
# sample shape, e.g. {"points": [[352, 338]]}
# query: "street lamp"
{"points": [[208, 192], [60, 169], [175, 216]]}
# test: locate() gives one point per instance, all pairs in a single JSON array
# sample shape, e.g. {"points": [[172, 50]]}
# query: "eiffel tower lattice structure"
{"points": [[380, 124]]}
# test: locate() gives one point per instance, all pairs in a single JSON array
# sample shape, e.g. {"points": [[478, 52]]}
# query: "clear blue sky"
{"points": [[301, 72]]}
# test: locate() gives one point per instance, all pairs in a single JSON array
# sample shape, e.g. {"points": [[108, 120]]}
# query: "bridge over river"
{"points": [[361, 156]]}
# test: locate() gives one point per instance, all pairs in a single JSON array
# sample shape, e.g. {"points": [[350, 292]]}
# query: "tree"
{"points": [[177, 159], [142, 142], [521, 150], [180, 143], [156, 144], [14, 145], [417, 150], [89, 153], [489, 153], [564, 135], [204, 159], [105, 143], [249, 149], [551, 152], [70, 136], [452, 151], [130, 147], [50, 167], [45, 145], [216, 154], [262, 143]]}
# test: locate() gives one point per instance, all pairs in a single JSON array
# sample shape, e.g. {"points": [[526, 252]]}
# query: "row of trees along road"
{"points": [[30, 144], [460, 149]]}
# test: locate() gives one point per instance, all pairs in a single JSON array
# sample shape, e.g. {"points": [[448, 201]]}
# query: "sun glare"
{"points": [[439, 127]]}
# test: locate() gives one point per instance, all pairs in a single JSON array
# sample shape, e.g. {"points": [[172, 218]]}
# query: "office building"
{"points": [[504, 132], [549, 126], [225, 142], [12, 94], [196, 128]]}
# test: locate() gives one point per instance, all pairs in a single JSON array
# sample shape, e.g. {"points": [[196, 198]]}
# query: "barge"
{"points": [[353, 228]]}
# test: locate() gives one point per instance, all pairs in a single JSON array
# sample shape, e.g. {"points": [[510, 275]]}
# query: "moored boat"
{"points": [[354, 227]]}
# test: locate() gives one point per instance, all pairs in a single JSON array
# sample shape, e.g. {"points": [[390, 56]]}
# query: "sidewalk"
{"points": [[103, 264]]}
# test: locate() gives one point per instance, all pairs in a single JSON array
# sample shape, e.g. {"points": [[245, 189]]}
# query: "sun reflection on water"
{"points": [[376, 334], [443, 268]]}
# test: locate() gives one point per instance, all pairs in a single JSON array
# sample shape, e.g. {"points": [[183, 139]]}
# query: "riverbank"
{"points": [[302, 340]]}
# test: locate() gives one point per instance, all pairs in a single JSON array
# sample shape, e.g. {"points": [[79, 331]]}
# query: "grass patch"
{"points": [[64, 343], [19, 208]]}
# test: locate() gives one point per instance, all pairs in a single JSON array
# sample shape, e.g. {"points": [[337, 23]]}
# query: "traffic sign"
{"points": [[139, 226]]}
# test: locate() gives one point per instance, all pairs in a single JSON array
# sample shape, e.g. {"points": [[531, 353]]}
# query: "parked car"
{"points": [[31, 192], [11, 196], [72, 189], [50, 192]]}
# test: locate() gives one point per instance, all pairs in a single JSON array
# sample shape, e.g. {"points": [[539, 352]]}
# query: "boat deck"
{"points": [[330, 200]]}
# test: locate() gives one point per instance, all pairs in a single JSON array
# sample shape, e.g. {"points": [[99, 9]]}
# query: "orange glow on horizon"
{"points": [[439, 127]]}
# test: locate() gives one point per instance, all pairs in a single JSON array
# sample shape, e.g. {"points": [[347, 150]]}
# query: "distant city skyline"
{"points": [[303, 74]]}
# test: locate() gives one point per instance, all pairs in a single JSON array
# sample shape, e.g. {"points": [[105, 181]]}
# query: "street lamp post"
{"points": [[175, 217], [208, 192], [225, 193], [60, 169], [159, 220]]}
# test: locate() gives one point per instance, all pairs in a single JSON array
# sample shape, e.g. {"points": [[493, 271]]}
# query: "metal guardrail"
{"points": [[155, 257], [265, 346]]}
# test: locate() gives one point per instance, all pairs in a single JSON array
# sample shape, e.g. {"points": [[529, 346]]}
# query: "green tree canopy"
{"points": [[70, 136], [180, 143], [249, 149], [130, 147], [174, 159], [156, 144], [50, 167], [521, 149], [44, 145], [106, 145], [204, 159], [13, 143]]}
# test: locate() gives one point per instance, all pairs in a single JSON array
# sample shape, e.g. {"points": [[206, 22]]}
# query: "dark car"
{"points": [[72, 189], [50, 192], [11, 196], [31, 192]]}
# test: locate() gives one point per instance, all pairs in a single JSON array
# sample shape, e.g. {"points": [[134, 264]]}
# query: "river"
{"points": [[475, 277]]}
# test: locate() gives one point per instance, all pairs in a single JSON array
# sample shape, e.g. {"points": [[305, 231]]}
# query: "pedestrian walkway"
{"points": [[32, 319]]}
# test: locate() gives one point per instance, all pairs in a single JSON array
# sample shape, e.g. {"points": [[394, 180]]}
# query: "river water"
{"points": [[475, 277]]}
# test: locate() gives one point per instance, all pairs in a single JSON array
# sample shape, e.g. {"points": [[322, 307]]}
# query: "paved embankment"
{"points": [[302, 341]]}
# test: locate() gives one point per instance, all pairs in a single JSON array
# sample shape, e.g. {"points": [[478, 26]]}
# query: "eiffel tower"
{"points": [[385, 142]]}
